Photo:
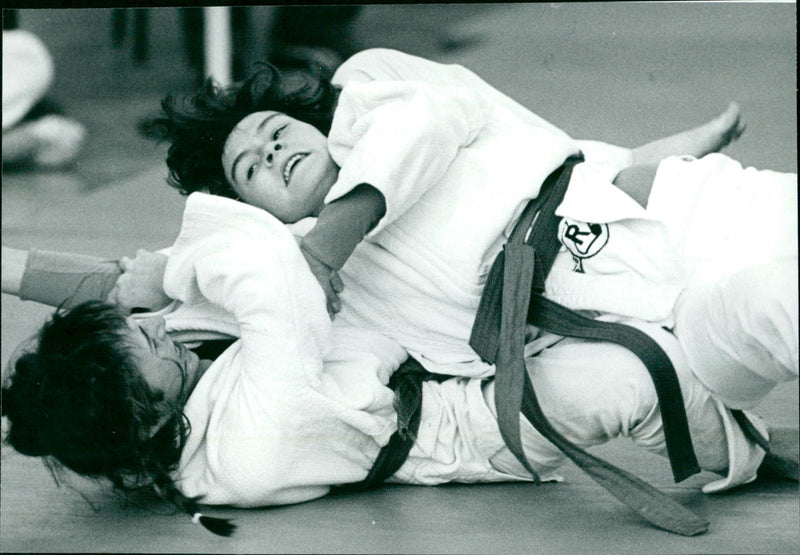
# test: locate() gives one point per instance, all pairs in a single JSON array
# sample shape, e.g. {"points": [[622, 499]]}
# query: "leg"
{"points": [[740, 333], [710, 137], [736, 230], [27, 74], [593, 392], [192, 29]]}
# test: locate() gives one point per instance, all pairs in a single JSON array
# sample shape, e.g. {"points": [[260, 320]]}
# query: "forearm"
{"points": [[691, 141], [63, 279], [343, 224]]}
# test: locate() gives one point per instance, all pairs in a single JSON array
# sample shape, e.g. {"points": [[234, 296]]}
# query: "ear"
{"points": [[165, 413]]}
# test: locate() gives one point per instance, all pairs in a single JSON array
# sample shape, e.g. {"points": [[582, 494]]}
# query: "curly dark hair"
{"points": [[77, 399], [198, 125]]}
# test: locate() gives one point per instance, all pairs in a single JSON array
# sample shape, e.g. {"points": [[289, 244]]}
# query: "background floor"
{"points": [[625, 73]]}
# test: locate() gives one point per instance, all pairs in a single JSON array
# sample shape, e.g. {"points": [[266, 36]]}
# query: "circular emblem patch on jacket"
{"points": [[582, 240]]}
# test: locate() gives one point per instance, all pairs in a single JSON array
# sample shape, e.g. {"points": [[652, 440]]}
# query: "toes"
{"points": [[733, 110], [729, 119], [740, 129]]}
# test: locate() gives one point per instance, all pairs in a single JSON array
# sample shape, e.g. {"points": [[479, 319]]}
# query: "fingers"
{"points": [[740, 129], [125, 263], [337, 286], [117, 297], [336, 282], [333, 302], [332, 310], [328, 279], [331, 289], [733, 109], [732, 120]]}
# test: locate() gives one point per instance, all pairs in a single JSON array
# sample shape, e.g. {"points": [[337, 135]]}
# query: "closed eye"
{"points": [[278, 132], [250, 172]]}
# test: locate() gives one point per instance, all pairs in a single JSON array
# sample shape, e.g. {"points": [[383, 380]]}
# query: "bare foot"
{"points": [[59, 140], [723, 130], [51, 141], [709, 137]]}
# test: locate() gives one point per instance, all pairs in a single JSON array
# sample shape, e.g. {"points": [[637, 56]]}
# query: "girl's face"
{"points": [[170, 370], [279, 164]]}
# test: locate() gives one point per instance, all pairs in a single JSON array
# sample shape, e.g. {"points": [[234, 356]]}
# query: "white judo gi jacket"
{"points": [[297, 404], [457, 161]]}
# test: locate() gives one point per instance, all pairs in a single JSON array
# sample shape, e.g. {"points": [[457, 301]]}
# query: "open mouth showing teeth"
{"points": [[290, 165]]}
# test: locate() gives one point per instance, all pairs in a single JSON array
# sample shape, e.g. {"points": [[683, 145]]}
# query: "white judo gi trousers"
{"points": [[737, 318], [592, 392], [735, 337]]}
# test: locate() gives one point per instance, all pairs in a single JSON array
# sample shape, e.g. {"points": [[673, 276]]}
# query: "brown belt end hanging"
{"points": [[512, 298]]}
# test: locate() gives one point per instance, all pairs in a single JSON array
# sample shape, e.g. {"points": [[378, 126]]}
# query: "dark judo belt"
{"points": [[513, 297], [406, 382]]}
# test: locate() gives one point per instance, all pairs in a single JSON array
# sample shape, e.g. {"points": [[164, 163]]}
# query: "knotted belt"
{"points": [[513, 297], [406, 382]]}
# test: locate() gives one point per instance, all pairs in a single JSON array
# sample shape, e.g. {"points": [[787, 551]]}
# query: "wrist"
{"points": [[309, 249]]}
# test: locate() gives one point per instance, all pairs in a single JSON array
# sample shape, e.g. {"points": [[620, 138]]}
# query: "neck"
{"points": [[330, 181], [194, 377], [204, 364]]}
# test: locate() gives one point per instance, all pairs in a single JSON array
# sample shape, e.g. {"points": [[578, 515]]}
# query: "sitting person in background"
{"points": [[34, 133]]}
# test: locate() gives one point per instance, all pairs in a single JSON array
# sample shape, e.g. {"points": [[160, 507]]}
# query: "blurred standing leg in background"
{"points": [[9, 19], [250, 26], [287, 36], [192, 29], [318, 34]]}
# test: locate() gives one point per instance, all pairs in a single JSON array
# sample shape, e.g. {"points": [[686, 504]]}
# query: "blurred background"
{"points": [[625, 73], [607, 71], [112, 66]]}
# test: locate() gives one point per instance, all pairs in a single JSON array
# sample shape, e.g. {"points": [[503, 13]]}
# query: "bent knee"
{"points": [[741, 332], [28, 68], [592, 391], [765, 292]]}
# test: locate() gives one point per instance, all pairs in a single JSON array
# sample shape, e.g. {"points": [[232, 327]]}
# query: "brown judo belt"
{"points": [[513, 297], [508, 303], [406, 382]]}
